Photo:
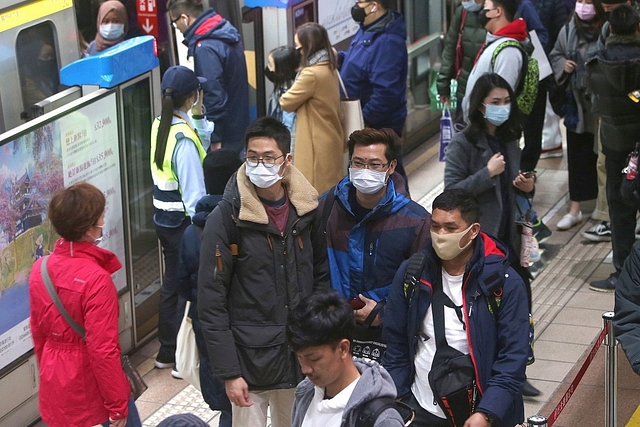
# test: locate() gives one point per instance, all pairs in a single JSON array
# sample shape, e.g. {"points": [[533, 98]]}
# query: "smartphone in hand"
{"points": [[356, 303]]}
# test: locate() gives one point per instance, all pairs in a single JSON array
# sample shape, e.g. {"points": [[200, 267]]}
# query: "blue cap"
{"points": [[181, 80]]}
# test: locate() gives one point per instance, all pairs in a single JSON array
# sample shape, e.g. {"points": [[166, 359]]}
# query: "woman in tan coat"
{"points": [[315, 98]]}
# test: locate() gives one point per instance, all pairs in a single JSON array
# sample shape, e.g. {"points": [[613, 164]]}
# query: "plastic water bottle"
{"points": [[632, 167]]}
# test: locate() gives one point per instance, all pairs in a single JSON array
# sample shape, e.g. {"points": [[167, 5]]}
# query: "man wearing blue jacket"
{"points": [[218, 55], [488, 321], [371, 228], [374, 68]]}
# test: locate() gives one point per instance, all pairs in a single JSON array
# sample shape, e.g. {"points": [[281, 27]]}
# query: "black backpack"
{"points": [[369, 411]]}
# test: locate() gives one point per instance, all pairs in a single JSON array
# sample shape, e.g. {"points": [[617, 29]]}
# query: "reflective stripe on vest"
{"points": [[167, 189]]}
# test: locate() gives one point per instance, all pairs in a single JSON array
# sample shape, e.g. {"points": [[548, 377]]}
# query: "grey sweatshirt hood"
{"points": [[374, 382]]}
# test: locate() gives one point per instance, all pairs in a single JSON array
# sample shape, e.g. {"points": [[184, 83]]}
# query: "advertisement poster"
{"points": [[335, 16], [80, 146]]}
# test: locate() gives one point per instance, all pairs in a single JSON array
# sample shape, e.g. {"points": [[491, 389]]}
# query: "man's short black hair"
{"points": [[510, 7], [386, 4], [268, 127], [458, 199], [370, 136], [319, 319], [624, 20]]}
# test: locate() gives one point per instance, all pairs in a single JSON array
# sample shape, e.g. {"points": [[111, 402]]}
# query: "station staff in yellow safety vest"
{"points": [[177, 153]]}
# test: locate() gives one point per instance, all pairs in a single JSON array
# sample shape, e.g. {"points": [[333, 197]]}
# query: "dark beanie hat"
{"points": [[218, 166], [183, 420]]}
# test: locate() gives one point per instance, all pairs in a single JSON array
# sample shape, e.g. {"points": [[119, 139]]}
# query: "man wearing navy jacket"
{"points": [[471, 269]]}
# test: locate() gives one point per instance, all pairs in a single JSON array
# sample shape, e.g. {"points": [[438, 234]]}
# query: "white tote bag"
{"points": [[352, 119], [187, 355]]}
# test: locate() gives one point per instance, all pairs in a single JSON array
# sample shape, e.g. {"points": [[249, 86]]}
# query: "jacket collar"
{"points": [[103, 257], [301, 193], [391, 201], [630, 40]]}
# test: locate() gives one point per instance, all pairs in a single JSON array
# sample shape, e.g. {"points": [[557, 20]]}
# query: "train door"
{"points": [[426, 20], [143, 257], [37, 38]]}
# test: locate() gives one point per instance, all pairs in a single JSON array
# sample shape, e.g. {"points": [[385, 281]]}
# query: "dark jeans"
{"points": [[170, 315], [581, 163], [533, 126], [213, 391], [423, 418], [133, 420], [623, 216]]}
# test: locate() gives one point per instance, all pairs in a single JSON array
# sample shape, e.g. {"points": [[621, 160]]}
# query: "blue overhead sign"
{"points": [[113, 66]]}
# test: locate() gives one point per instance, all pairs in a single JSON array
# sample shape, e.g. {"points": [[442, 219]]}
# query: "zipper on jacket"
{"points": [[467, 315], [219, 257]]}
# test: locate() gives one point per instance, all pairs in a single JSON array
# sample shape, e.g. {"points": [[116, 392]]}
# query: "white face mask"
{"points": [[98, 240], [471, 5], [447, 246], [367, 181], [197, 99], [263, 177], [112, 31]]}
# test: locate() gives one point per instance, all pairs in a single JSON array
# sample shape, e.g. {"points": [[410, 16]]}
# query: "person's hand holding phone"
{"points": [[363, 312]]}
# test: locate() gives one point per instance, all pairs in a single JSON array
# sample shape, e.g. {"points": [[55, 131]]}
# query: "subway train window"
{"points": [[37, 64]]}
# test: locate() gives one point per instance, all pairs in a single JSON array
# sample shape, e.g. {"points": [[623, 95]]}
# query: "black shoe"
{"points": [[605, 285], [599, 232], [527, 389], [164, 362], [540, 231]]}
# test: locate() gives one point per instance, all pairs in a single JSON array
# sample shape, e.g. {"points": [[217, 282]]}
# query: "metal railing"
{"points": [[610, 379]]}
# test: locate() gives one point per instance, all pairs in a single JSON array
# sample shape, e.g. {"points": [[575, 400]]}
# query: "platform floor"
{"points": [[568, 316]]}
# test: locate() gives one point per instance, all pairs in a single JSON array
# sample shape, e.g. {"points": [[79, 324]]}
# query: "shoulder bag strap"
{"points": [[437, 309], [56, 300], [344, 90]]}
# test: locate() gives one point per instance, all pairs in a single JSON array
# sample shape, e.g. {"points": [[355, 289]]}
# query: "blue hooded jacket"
{"points": [[218, 55], [498, 345], [374, 70], [364, 256]]}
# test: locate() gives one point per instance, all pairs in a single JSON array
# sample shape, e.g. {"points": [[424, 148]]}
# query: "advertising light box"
{"points": [[80, 145]]}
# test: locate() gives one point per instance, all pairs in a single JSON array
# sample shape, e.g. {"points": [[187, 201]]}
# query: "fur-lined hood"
{"points": [[241, 194]]}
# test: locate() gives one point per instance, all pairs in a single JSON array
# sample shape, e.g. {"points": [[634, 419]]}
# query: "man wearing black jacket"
{"points": [[612, 73], [263, 250]]}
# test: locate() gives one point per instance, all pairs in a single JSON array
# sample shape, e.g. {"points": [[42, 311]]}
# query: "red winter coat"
{"points": [[81, 382]]}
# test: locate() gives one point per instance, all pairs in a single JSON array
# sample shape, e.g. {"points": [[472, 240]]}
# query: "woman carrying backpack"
{"points": [[578, 40]]}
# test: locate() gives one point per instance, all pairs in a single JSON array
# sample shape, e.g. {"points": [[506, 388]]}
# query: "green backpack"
{"points": [[527, 89]]}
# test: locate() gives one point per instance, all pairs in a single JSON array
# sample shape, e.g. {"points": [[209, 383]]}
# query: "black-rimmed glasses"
{"points": [[267, 161], [357, 164]]}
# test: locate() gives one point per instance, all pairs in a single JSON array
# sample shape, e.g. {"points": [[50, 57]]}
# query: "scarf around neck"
{"points": [[320, 56]]}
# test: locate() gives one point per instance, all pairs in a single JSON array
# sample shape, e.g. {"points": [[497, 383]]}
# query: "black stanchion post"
{"points": [[610, 372]]}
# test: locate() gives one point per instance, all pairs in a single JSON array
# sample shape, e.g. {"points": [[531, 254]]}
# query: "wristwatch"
{"points": [[491, 419]]}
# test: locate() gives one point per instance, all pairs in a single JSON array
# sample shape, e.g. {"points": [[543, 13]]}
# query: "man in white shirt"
{"points": [[466, 284], [337, 386]]}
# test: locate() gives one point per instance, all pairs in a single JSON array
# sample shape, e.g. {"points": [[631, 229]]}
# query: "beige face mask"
{"points": [[447, 246]]}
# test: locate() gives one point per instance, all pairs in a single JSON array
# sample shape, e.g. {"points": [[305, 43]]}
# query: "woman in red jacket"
{"points": [[82, 383]]}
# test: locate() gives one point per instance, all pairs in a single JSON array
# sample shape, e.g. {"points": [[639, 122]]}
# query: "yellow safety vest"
{"points": [[167, 194]]}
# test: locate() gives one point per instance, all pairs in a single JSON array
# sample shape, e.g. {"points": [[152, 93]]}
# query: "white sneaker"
{"points": [[569, 221]]}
